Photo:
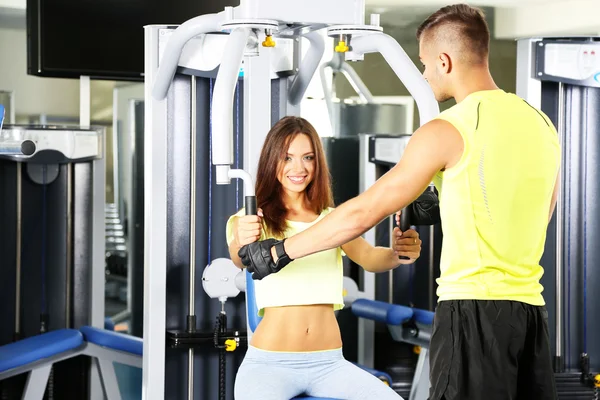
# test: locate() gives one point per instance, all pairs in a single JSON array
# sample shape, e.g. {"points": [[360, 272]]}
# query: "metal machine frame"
{"points": [[559, 75], [79, 152], [251, 23]]}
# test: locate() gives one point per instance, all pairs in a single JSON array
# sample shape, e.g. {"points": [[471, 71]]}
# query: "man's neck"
{"points": [[473, 80]]}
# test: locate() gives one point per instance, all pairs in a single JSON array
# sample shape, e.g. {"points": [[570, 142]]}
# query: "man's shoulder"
{"points": [[469, 103], [461, 115]]}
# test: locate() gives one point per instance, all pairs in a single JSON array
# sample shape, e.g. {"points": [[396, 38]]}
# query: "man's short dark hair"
{"points": [[469, 23]]}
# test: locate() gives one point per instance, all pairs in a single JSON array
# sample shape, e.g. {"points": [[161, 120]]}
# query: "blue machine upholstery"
{"points": [[391, 314], [423, 316], [109, 324], [253, 318], [38, 347], [113, 340]]}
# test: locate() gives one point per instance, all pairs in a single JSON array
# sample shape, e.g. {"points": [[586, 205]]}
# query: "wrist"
{"points": [[236, 244], [279, 252], [287, 246], [389, 261]]}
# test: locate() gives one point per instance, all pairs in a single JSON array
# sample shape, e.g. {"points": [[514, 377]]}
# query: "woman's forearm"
{"points": [[380, 259], [234, 247], [233, 254]]}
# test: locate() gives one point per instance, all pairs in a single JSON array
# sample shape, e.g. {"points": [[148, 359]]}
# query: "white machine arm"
{"points": [[404, 68], [184, 33], [357, 84], [337, 64], [307, 68], [222, 106]]}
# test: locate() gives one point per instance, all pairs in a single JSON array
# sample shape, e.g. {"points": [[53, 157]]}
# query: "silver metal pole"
{"points": [[69, 244], [18, 278], [192, 277], [559, 226]]}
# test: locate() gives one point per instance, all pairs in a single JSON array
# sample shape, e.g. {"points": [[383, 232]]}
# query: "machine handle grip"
{"points": [[405, 218], [250, 202]]}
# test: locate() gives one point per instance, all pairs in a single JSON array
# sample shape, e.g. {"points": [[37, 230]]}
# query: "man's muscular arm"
{"points": [[435, 146]]}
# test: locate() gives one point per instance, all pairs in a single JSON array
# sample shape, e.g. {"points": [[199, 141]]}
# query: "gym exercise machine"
{"points": [[561, 76], [52, 181], [218, 95]]}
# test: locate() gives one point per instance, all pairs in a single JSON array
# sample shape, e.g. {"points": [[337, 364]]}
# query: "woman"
{"points": [[297, 347]]}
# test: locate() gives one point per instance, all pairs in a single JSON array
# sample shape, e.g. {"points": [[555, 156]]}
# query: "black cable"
{"points": [[222, 360], [222, 374], [220, 328]]}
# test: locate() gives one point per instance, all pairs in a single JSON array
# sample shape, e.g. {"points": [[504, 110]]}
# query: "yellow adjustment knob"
{"points": [[341, 47], [597, 381], [344, 293], [417, 349], [230, 345], [269, 42]]}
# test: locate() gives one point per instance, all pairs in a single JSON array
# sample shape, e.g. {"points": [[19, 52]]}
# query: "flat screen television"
{"points": [[103, 39]]}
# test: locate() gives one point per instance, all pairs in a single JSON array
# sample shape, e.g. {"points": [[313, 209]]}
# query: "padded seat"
{"points": [[391, 314], [113, 340], [39, 347]]}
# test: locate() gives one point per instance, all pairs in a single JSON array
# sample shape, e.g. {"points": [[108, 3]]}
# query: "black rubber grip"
{"points": [[405, 220], [250, 202], [405, 225]]}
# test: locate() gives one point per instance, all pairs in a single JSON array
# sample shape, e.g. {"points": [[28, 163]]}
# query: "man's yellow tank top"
{"points": [[495, 201]]}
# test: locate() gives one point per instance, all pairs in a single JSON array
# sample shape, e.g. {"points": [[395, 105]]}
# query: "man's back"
{"points": [[495, 202]]}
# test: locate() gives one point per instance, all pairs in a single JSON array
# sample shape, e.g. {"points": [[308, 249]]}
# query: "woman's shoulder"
{"points": [[327, 210]]}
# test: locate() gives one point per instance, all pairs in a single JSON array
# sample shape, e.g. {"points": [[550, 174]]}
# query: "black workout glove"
{"points": [[257, 257], [425, 210]]}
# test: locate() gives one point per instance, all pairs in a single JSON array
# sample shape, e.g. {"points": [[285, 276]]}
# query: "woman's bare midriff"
{"points": [[298, 329]]}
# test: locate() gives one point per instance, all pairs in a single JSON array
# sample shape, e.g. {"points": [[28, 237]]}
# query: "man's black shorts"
{"points": [[490, 350]]}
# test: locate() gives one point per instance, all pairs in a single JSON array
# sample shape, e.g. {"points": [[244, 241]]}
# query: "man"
{"points": [[495, 161]]}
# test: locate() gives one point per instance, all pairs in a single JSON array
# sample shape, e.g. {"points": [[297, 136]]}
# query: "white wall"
{"points": [[33, 95], [574, 17], [19, 4]]}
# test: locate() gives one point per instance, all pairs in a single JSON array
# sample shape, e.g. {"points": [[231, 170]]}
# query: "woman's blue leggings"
{"points": [[268, 375]]}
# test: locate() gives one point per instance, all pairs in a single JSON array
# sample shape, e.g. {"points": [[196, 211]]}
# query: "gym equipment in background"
{"points": [[52, 241]]}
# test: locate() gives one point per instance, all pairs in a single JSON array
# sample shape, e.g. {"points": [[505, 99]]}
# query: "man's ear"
{"points": [[444, 63]]}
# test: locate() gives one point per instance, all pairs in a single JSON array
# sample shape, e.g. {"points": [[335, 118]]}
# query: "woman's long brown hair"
{"points": [[268, 188]]}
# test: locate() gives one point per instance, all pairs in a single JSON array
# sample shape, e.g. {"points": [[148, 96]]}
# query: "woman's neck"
{"points": [[295, 202]]}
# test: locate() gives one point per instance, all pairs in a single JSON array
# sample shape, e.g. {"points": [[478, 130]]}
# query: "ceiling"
{"points": [[509, 18]]}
